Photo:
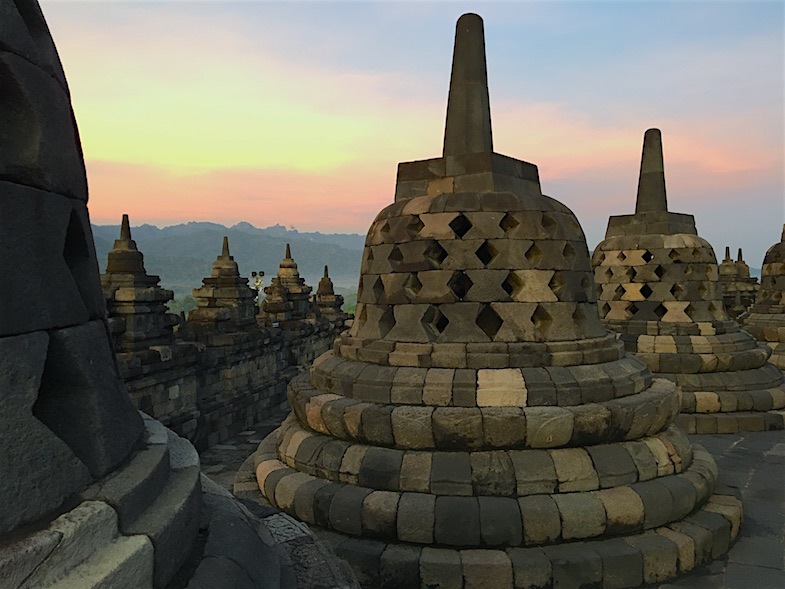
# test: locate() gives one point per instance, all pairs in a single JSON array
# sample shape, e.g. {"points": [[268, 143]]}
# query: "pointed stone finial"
{"points": [[651, 182], [468, 126], [288, 251], [125, 228], [326, 274], [741, 258], [225, 250], [727, 254]]}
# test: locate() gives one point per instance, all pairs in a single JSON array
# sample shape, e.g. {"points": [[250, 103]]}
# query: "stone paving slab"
{"points": [[751, 466]]}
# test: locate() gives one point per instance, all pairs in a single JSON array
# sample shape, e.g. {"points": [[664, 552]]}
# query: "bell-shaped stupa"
{"points": [[477, 426], [658, 286], [766, 318], [738, 287]]}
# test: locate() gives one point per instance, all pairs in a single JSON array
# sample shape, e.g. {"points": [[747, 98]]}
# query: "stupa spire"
{"points": [[288, 251], [125, 228], [651, 182], [740, 258], [225, 250], [326, 273], [727, 254], [468, 126]]}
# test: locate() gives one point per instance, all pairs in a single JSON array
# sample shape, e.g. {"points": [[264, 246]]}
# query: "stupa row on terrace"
{"points": [[658, 286], [478, 425], [738, 287]]}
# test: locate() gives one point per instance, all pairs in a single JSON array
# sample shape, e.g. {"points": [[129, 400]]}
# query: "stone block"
{"points": [[416, 471], [503, 387], [346, 509], [500, 521], [548, 427], [451, 473], [660, 556], [657, 503], [400, 566], [486, 568], [582, 515], [531, 568], [575, 565], [492, 474], [624, 510], [457, 427], [441, 568], [381, 469], [457, 521], [613, 464], [503, 427], [541, 519], [379, 514], [574, 470], [415, 521], [534, 471], [412, 427], [622, 564]]}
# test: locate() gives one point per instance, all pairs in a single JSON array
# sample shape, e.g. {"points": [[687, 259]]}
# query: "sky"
{"points": [[298, 113]]}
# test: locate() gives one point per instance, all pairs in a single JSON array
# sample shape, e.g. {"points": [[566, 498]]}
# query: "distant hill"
{"points": [[183, 254]]}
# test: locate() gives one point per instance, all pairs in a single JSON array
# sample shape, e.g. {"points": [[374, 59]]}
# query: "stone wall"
{"points": [[211, 389]]}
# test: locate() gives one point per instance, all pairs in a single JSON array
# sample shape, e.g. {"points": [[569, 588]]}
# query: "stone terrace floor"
{"points": [[751, 465]]}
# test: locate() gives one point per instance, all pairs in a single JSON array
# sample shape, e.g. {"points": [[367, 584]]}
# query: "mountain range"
{"points": [[183, 254]]}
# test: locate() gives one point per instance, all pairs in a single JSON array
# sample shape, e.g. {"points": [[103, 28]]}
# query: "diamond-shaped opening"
{"points": [[508, 223], [696, 254], [370, 255], [378, 289], [395, 257], [414, 226], [702, 290], [586, 284], [512, 284], [549, 224], [386, 322], [460, 225], [412, 286], [673, 255], [489, 321], [647, 256], [569, 253], [633, 309], [434, 322], [600, 258], [557, 284], [486, 252], [621, 256], [688, 270], [605, 308], [435, 254], [579, 318], [689, 311], [533, 255], [677, 290], [542, 321], [660, 311], [362, 315], [385, 231], [618, 293], [460, 284], [659, 271], [608, 275], [646, 291]]}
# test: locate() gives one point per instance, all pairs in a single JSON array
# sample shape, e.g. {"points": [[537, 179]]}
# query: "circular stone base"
{"points": [[626, 561], [728, 423]]}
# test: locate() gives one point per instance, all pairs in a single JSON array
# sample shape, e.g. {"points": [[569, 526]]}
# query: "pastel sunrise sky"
{"points": [[298, 112]]}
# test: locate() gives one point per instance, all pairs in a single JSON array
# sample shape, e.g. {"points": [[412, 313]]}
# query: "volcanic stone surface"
{"points": [[657, 285], [478, 426], [66, 418], [766, 318]]}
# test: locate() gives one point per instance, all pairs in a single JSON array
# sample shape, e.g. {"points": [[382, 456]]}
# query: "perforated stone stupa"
{"points": [[738, 287], [657, 285], [328, 302], [477, 426], [766, 318]]}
